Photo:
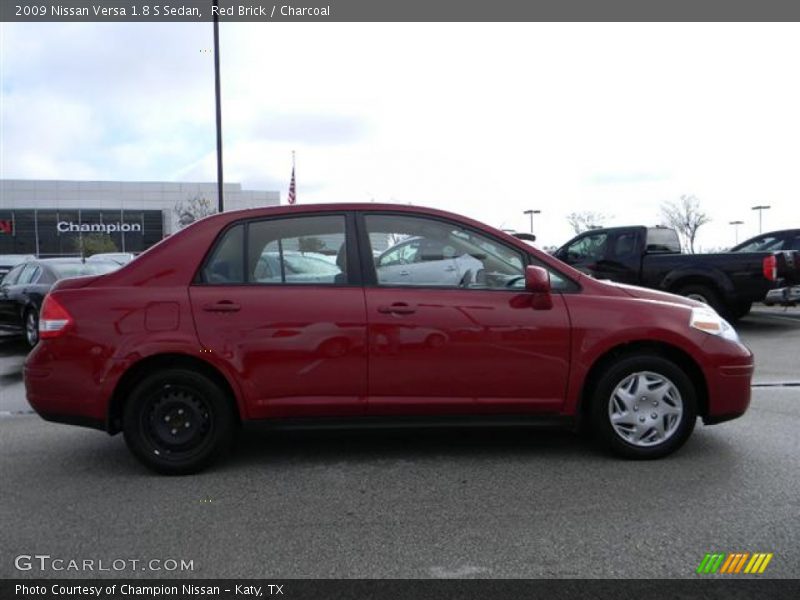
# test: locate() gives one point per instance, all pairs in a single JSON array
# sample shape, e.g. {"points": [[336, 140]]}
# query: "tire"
{"points": [[31, 322], [706, 295], [629, 429], [740, 311], [178, 421]]}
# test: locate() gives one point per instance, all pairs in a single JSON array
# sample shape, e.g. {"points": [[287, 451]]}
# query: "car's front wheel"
{"points": [[178, 421], [644, 407]]}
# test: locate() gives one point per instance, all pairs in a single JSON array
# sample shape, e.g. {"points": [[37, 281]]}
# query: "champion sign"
{"points": [[70, 226]]}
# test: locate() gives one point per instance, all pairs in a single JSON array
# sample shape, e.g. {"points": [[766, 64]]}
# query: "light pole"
{"points": [[760, 208], [736, 229], [531, 212]]}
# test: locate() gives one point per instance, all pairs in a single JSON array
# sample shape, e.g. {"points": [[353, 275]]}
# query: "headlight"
{"points": [[708, 321]]}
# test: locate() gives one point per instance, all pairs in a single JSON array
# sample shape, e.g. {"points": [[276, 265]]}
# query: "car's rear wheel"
{"points": [[644, 407], [178, 421], [32, 327]]}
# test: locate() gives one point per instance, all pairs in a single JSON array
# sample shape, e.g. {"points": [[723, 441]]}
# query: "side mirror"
{"points": [[537, 282]]}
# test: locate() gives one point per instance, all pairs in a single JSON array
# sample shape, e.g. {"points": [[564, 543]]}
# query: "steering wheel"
{"points": [[513, 280]]}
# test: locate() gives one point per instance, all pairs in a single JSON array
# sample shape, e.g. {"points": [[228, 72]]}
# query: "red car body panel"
{"points": [[306, 351]]}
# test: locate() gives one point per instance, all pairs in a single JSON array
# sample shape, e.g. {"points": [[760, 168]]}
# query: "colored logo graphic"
{"points": [[6, 226], [741, 562]]}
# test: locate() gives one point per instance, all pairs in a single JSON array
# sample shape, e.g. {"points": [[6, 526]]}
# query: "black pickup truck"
{"points": [[651, 257]]}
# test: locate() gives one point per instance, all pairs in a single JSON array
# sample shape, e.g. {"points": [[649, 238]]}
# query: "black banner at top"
{"points": [[114, 11]]}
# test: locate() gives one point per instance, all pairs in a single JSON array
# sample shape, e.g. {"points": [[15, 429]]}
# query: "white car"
{"points": [[419, 261]]}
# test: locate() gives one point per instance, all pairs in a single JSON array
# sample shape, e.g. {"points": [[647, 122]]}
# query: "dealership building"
{"points": [[49, 218]]}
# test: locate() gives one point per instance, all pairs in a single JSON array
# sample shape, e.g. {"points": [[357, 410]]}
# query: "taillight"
{"points": [[53, 319], [770, 266]]}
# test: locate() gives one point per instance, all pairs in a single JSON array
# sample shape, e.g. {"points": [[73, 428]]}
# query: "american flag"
{"points": [[292, 198]]}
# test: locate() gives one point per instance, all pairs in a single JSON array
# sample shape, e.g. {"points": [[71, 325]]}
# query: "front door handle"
{"points": [[222, 306], [398, 308]]}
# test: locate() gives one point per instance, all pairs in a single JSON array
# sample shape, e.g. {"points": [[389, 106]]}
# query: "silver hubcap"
{"points": [[645, 409], [32, 328]]}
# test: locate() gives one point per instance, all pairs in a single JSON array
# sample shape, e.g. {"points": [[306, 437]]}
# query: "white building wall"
{"points": [[129, 195]]}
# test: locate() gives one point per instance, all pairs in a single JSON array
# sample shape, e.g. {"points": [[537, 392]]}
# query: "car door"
{"points": [[462, 347], [396, 264], [622, 261], [585, 252], [298, 344], [8, 303]]}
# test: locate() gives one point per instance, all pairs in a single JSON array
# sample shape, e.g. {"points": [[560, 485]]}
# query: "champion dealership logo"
{"points": [[6, 226], [735, 563]]}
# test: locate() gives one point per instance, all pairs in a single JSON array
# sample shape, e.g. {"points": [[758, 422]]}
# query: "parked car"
{"points": [[121, 258], [651, 256], [419, 261], [9, 261], [25, 286], [788, 296], [786, 239], [176, 358]]}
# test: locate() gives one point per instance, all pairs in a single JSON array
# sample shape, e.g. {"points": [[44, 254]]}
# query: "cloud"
{"points": [[626, 178], [308, 128]]}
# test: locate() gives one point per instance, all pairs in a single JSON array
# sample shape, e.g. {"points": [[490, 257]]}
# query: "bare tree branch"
{"points": [[581, 221], [685, 217]]}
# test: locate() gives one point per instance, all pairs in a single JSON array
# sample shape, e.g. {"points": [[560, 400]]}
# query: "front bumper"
{"points": [[729, 380]]}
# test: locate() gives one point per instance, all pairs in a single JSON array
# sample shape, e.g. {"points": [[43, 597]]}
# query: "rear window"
{"points": [[662, 240], [64, 270]]}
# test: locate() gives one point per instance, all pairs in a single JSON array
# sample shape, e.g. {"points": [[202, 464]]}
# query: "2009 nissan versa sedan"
{"points": [[191, 339]]}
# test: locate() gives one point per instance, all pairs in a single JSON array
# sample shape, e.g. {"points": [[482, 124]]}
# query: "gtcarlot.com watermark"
{"points": [[45, 562]]}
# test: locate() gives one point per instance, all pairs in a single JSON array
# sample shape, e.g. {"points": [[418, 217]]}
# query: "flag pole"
{"points": [[218, 102]]}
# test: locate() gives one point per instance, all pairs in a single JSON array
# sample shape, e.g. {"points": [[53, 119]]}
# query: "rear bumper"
{"points": [[60, 393]]}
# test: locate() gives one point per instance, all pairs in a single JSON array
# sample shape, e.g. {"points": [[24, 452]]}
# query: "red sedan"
{"points": [[347, 313]]}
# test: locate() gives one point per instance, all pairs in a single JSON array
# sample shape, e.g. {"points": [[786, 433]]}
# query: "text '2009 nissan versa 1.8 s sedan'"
{"points": [[304, 314]]}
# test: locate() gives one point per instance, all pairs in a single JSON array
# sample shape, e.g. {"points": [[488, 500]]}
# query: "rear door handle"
{"points": [[222, 306], [398, 308]]}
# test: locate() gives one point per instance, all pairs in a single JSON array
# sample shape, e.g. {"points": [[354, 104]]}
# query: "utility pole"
{"points": [[760, 208], [736, 229], [218, 98], [531, 212]]}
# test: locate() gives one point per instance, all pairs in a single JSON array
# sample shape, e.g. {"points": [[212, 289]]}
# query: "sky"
{"points": [[486, 120]]}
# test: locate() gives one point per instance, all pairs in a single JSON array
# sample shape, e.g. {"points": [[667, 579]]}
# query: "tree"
{"points": [[584, 220], [94, 243], [685, 217], [193, 209]]}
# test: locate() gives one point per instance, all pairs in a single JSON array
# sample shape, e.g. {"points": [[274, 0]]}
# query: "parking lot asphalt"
{"points": [[481, 503]]}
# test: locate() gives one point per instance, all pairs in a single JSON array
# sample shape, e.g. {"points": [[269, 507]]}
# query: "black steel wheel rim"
{"points": [[177, 422]]}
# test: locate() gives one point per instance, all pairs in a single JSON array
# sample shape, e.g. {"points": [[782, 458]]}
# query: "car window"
{"points": [[294, 250], [12, 276], [27, 274], [589, 247], [226, 264], [625, 245], [763, 244], [794, 244], [442, 254], [399, 254]]}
